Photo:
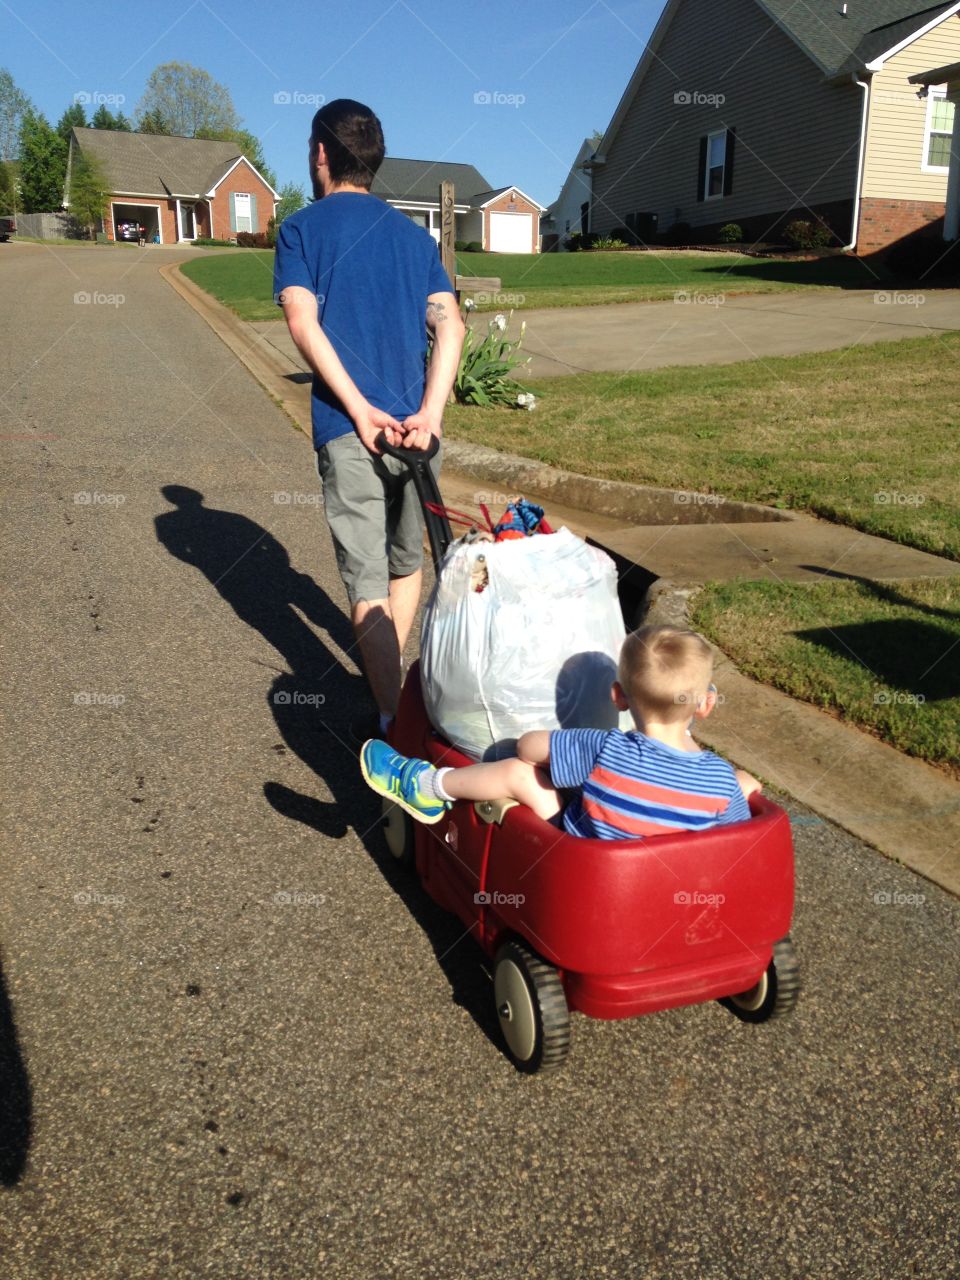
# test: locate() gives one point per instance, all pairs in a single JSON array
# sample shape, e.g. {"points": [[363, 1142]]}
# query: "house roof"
{"points": [[839, 43], [153, 164], [419, 180]]}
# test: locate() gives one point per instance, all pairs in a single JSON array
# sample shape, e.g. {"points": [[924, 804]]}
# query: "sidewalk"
{"points": [[901, 806], [707, 328]]}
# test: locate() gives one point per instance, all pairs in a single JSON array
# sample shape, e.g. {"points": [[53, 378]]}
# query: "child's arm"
{"points": [[534, 747], [748, 783]]}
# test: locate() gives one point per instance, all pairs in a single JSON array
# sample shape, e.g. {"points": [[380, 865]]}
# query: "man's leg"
{"points": [[376, 633], [404, 602]]}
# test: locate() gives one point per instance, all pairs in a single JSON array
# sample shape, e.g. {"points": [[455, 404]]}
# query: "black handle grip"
{"points": [[409, 456]]}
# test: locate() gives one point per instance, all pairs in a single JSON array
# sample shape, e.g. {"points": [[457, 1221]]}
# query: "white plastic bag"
{"points": [[536, 649]]}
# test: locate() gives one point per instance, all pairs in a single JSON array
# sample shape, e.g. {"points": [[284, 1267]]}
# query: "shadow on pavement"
{"points": [[16, 1107], [312, 704]]}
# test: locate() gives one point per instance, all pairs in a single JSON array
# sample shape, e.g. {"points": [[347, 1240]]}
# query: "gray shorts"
{"points": [[374, 516]]}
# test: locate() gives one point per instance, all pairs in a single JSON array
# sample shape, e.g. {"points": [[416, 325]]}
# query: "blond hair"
{"points": [[665, 671]]}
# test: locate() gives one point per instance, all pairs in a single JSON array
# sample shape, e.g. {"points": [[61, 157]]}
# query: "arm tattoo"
{"points": [[436, 312]]}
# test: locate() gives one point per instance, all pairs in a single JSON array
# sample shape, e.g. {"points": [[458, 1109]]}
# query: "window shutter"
{"points": [[728, 162], [233, 213], [702, 168], [253, 212]]}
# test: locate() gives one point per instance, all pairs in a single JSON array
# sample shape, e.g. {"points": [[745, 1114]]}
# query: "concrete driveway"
{"points": [[703, 328], [234, 1041]]}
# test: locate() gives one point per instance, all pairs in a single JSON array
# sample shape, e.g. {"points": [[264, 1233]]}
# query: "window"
{"points": [[241, 209], [939, 130], [716, 159]]}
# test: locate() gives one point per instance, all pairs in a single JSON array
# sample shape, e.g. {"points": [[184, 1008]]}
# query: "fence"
{"points": [[48, 226]]}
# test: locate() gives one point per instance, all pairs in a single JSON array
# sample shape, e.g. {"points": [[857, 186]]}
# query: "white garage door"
{"points": [[511, 232]]}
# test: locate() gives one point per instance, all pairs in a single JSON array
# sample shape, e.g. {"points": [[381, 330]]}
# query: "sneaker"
{"points": [[397, 778]]}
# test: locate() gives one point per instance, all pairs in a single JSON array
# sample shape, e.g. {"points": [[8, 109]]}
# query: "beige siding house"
{"points": [[762, 111]]}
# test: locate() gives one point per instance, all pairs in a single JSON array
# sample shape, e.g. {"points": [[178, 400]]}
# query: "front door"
{"points": [[188, 222]]}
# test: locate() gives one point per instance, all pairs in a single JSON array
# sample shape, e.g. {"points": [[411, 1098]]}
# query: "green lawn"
{"points": [[244, 281], [883, 657], [867, 437]]}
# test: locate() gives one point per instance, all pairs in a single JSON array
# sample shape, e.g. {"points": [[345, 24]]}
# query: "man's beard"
{"points": [[317, 187]]}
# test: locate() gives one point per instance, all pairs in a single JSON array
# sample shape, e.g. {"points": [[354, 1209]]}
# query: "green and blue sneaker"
{"points": [[398, 778]]}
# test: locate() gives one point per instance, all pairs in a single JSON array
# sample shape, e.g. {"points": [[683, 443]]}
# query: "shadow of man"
{"points": [[312, 701], [16, 1107]]}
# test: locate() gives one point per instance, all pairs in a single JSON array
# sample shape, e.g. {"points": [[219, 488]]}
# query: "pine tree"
{"points": [[73, 118], [154, 122], [43, 164]]}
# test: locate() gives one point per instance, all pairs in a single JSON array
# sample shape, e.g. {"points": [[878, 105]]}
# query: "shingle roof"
{"points": [[399, 179], [838, 43], [155, 164]]}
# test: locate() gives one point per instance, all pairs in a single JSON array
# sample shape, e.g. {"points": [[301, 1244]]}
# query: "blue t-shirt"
{"points": [[630, 785], [372, 270]]}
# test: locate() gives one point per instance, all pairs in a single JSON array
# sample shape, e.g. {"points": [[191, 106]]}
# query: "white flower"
{"points": [[499, 321], [468, 304], [526, 400]]}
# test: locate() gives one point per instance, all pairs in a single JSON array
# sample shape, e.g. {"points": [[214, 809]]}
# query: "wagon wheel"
{"points": [[531, 1008], [399, 834], [776, 992]]}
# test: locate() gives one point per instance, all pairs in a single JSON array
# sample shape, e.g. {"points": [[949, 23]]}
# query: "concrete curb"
{"points": [[902, 807]]}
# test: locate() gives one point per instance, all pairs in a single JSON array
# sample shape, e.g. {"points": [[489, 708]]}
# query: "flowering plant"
{"points": [[486, 364]]}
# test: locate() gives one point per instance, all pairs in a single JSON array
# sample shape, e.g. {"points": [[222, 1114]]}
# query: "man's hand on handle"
{"points": [[418, 430], [369, 422]]}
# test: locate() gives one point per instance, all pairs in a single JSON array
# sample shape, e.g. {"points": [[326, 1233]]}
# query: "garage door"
{"points": [[511, 232]]}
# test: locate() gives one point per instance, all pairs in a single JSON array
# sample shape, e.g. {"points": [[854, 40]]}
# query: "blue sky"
{"points": [[555, 71]]}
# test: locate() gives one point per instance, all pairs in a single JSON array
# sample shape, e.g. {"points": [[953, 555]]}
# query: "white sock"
{"points": [[385, 723], [432, 784]]}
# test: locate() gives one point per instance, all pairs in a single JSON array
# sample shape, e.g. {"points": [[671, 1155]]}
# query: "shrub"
{"points": [[807, 235], [207, 241], [608, 242], [731, 233], [483, 376], [461, 246], [475, 246], [254, 240]]}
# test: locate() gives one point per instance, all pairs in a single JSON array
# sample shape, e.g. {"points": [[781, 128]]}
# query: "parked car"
{"points": [[8, 227], [128, 231]]}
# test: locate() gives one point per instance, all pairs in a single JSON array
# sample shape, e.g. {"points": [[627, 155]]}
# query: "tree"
{"points": [[8, 188], [247, 144], [14, 104], [43, 164], [154, 122], [189, 100], [73, 118], [291, 199], [121, 122], [596, 138], [103, 118], [88, 191]]}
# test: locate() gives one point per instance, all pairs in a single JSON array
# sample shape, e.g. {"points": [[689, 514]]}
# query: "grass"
{"points": [[867, 436], [880, 656], [244, 281]]}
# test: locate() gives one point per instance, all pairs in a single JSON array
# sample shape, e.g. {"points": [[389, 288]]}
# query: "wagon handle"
{"points": [[417, 460]]}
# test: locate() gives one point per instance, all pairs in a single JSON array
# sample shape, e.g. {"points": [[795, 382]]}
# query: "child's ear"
{"points": [[618, 697], [706, 703]]}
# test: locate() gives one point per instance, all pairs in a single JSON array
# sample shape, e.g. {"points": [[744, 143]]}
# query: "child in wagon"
{"points": [[646, 782]]}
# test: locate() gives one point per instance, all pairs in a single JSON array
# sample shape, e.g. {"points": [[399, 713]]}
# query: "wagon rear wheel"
{"points": [[776, 992], [531, 1008], [399, 834]]}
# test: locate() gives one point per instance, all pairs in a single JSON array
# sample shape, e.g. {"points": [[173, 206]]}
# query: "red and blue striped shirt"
{"points": [[630, 785]]}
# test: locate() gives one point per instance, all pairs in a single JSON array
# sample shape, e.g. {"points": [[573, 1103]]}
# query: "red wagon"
{"points": [[608, 928]]}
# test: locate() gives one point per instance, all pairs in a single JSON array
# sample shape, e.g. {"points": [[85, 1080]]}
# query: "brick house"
{"points": [[503, 220], [787, 111], [178, 188]]}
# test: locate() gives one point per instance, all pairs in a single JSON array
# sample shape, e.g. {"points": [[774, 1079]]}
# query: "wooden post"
{"points": [[448, 230]]}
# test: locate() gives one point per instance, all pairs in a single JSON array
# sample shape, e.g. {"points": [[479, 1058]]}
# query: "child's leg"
{"points": [[513, 779]]}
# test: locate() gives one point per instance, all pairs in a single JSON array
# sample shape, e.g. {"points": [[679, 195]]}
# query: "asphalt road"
{"points": [[199, 1077]]}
